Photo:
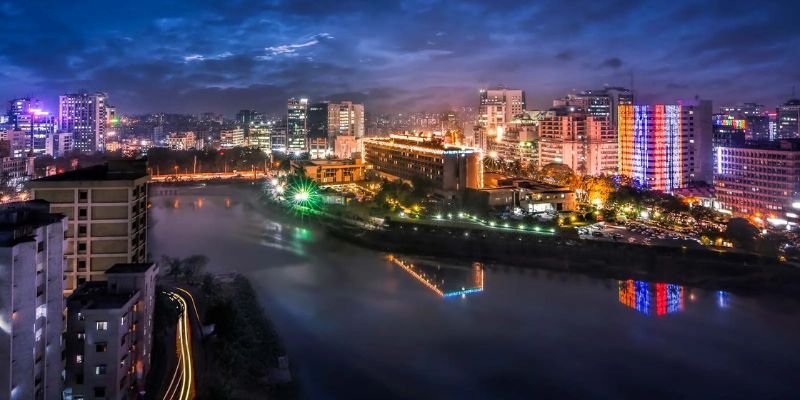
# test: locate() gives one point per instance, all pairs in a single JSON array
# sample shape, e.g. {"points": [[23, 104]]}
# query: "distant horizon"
{"points": [[183, 57]]}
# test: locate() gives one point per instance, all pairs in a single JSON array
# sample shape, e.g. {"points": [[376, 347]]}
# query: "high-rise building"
{"points": [[86, 117], [27, 115], [449, 168], [109, 334], [31, 301], [666, 147], [245, 119], [297, 128], [331, 120], [106, 208], [758, 179], [498, 106], [789, 120], [582, 141], [278, 137]]}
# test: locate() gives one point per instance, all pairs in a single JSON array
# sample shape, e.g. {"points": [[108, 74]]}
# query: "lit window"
{"points": [[102, 325], [79, 359], [100, 369]]}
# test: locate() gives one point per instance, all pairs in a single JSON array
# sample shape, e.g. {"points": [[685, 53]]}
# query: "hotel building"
{"points": [[666, 147], [106, 209], [758, 180], [451, 168]]}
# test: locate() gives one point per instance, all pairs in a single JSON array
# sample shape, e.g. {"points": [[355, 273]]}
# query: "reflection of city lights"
{"points": [[648, 298]]}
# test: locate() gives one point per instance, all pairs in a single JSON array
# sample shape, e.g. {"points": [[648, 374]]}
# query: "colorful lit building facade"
{"points": [[666, 147]]}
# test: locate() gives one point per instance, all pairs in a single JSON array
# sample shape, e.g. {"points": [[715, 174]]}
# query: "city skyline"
{"points": [[405, 56]]}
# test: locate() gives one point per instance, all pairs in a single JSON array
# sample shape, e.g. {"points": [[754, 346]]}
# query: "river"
{"points": [[358, 325]]}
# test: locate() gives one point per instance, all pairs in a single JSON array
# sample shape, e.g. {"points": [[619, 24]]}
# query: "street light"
{"points": [[301, 196]]}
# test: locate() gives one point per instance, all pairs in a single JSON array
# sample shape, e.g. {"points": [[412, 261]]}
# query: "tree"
{"points": [[742, 233], [558, 174]]}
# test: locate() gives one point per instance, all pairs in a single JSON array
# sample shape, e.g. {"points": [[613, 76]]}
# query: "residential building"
{"points": [[16, 170], [230, 138], [17, 142], [758, 179], [31, 301], [666, 147], [106, 208], [498, 106], [582, 141], [789, 119], [450, 168], [109, 335], [184, 141], [297, 128], [331, 172], [58, 144], [86, 117]]}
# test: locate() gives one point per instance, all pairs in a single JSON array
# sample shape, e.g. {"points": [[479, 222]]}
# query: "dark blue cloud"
{"points": [[197, 55]]}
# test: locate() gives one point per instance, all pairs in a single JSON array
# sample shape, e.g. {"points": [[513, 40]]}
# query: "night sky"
{"points": [[204, 55]]}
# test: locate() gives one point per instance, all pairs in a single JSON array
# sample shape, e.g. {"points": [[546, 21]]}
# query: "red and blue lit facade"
{"points": [[651, 298], [651, 145]]}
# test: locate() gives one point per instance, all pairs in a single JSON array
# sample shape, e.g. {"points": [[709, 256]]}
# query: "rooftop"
{"points": [[18, 220], [112, 171], [135, 268], [419, 143], [95, 296]]}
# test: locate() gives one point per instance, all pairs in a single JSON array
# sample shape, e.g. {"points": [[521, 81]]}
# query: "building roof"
{"points": [[132, 268], [113, 171], [18, 220], [96, 296]]}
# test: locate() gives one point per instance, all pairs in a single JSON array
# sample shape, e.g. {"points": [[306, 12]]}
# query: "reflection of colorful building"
{"points": [[445, 281], [651, 298]]}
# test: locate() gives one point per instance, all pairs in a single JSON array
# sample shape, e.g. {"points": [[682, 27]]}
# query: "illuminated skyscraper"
{"points": [[666, 147], [86, 117], [330, 120], [27, 115], [297, 126]]}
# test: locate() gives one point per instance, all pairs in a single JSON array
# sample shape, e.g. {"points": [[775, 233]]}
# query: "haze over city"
{"points": [[394, 56]]}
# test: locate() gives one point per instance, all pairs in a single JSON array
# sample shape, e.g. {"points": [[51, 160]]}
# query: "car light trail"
{"points": [[181, 387]]}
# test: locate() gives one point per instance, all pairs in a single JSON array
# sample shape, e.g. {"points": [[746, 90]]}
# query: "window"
{"points": [[83, 195], [100, 369], [102, 325], [79, 379], [39, 247], [100, 347], [82, 212], [81, 317], [81, 336], [81, 265], [81, 246], [81, 229], [99, 391], [79, 359]]}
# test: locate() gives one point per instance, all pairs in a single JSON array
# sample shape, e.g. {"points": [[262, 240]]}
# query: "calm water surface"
{"points": [[358, 325]]}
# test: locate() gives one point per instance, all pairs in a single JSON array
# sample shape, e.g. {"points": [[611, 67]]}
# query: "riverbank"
{"points": [[701, 268]]}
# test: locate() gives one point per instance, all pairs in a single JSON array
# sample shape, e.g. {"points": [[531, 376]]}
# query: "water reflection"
{"points": [[446, 281], [651, 298]]}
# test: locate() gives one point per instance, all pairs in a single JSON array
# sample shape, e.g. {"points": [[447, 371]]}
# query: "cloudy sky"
{"points": [[210, 55]]}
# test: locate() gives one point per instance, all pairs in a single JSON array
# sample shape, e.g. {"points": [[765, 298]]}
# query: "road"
{"points": [[182, 384]]}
